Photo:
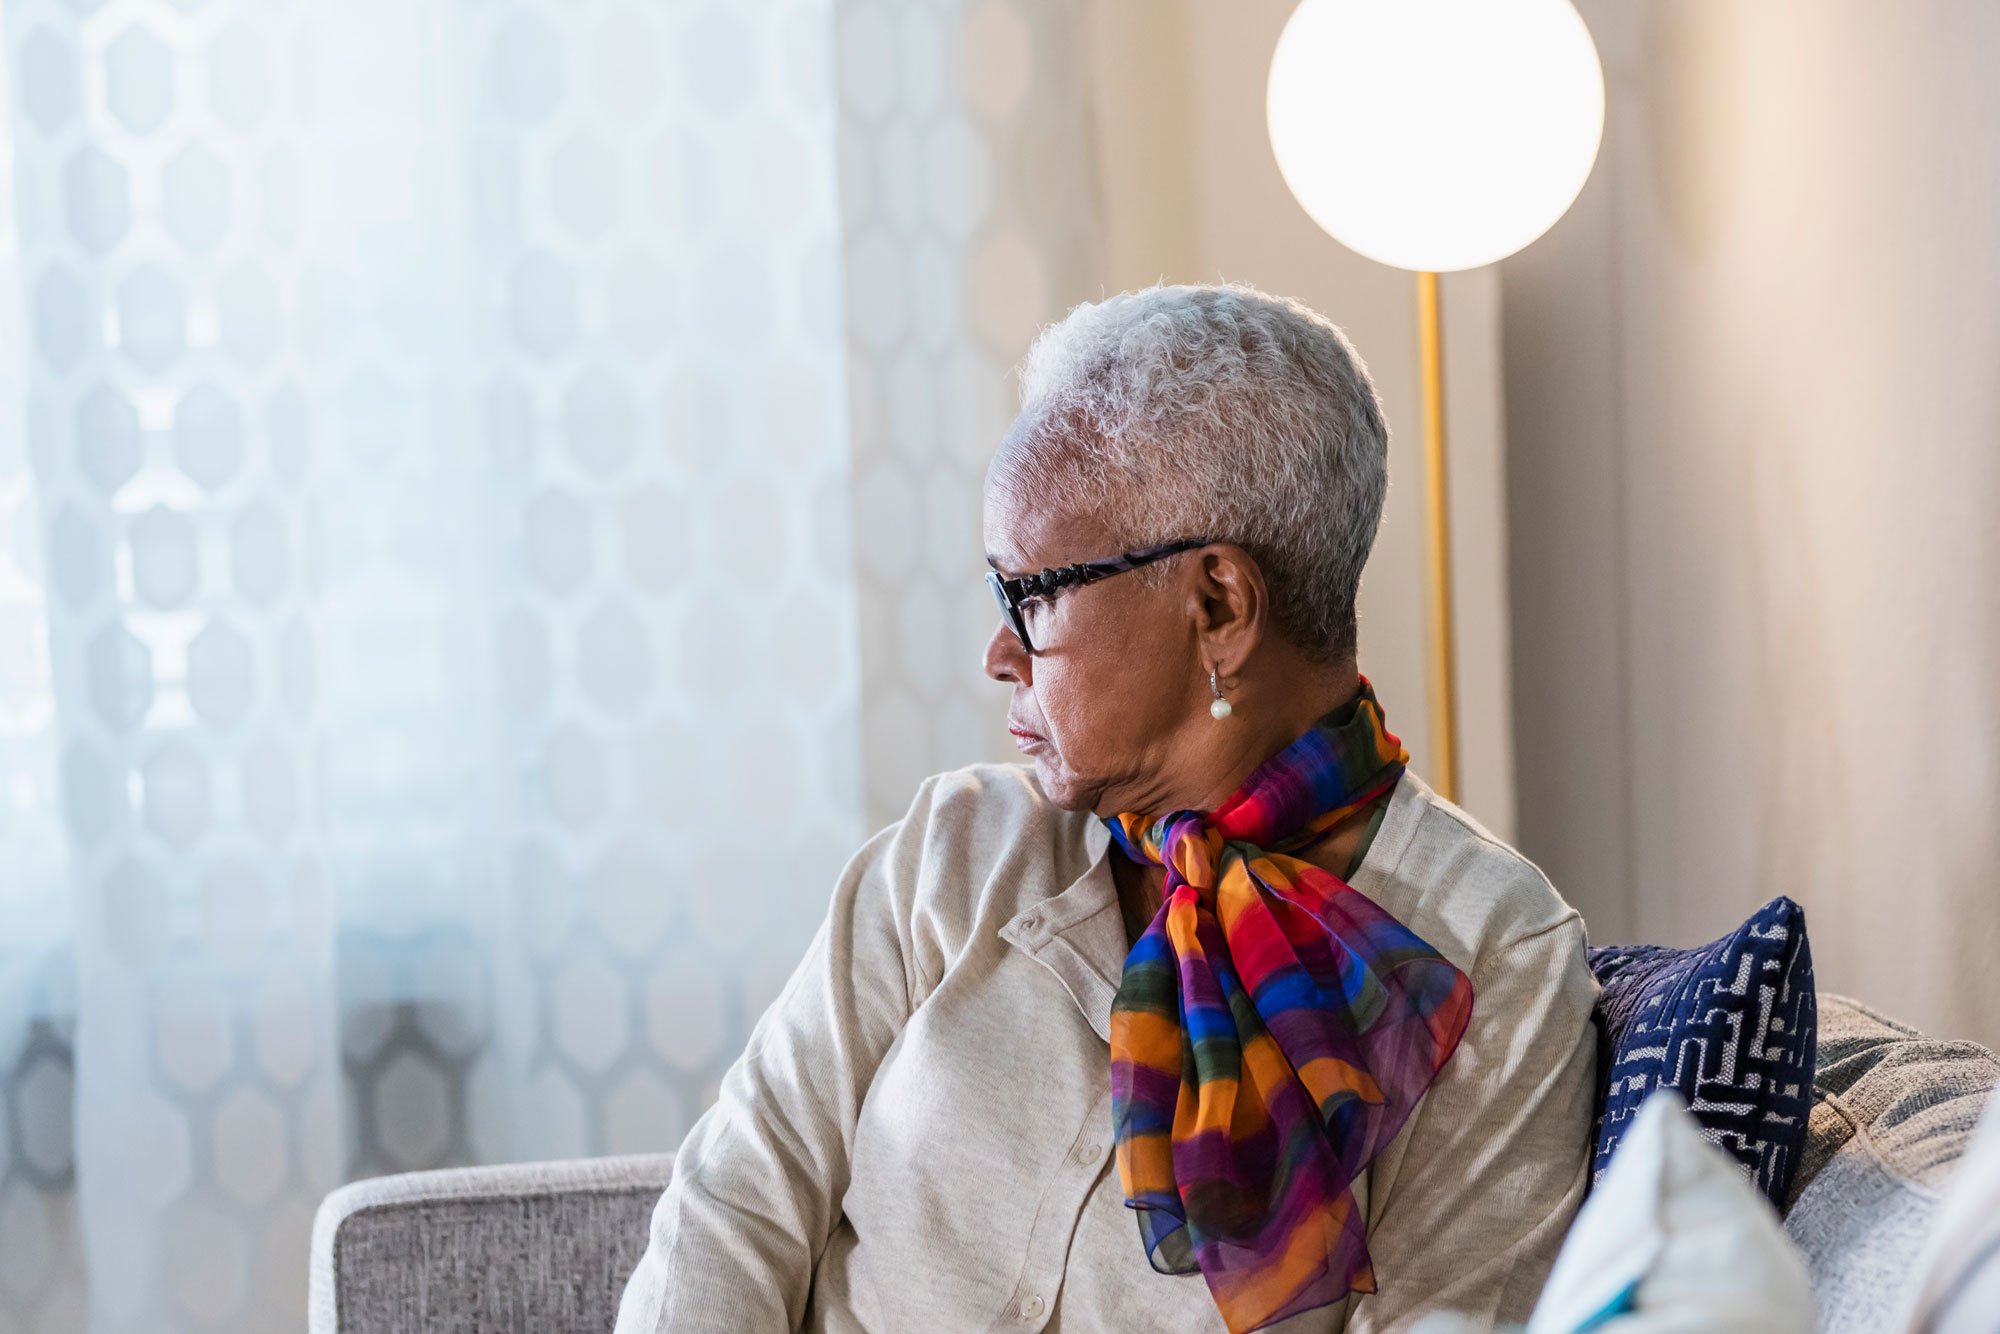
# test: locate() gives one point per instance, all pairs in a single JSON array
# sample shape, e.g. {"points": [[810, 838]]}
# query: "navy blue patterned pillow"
{"points": [[1730, 1024]]}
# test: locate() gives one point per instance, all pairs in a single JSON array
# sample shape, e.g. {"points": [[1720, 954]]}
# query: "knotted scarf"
{"points": [[1272, 1031]]}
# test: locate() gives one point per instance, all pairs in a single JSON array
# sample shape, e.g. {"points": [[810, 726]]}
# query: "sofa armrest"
{"points": [[539, 1248]]}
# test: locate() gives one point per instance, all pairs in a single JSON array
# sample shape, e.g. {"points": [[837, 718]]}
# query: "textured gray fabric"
{"points": [[1892, 1111], [1915, 1097], [1860, 1227], [540, 1248]]}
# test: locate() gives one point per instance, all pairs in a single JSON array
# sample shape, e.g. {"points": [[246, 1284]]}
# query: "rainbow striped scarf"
{"points": [[1272, 1032]]}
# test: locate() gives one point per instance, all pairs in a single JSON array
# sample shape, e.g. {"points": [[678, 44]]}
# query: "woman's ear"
{"points": [[1231, 606]]}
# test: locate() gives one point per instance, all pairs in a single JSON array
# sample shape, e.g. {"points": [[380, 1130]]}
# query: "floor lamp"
{"points": [[1434, 136]]}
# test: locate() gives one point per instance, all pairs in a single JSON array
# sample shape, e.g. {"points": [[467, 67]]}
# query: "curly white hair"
{"points": [[1220, 412]]}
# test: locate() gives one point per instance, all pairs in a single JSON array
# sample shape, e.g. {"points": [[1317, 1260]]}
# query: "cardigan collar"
{"points": [[1079, 934]]}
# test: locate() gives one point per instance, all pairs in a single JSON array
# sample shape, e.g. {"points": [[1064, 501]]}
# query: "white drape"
{"points": [[488, 519]]}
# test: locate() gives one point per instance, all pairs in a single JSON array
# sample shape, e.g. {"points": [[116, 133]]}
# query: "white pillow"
{"points": [[1674, 1238], [1955, 1284]]}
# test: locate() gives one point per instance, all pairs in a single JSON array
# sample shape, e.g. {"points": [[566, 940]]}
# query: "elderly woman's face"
{"points": [[1114, 678]]}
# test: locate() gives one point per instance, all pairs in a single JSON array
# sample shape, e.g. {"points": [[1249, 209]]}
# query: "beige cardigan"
{"points": [[917, 1137]]}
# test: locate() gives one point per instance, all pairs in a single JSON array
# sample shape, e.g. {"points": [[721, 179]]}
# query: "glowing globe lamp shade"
{"points": [[1435, 135]]}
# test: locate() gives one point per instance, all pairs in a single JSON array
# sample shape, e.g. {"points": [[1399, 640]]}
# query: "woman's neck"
{"points": [[1273, 714]]}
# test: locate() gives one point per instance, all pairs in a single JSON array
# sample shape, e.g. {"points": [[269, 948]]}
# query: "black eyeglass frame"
{"points": [[1011, 594]]}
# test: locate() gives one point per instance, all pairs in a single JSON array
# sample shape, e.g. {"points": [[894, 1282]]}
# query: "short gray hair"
{"points": [[1219, 412]]}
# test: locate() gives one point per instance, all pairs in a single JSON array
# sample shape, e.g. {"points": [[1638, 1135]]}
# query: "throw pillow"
{"points": [[1674, 1238], [1728, 1025]]}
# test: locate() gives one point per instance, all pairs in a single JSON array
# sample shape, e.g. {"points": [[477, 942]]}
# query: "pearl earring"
{"points": [[1218, 708]]}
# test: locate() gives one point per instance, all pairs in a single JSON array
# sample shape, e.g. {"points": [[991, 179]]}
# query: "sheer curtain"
{"points": [[488, 521]]}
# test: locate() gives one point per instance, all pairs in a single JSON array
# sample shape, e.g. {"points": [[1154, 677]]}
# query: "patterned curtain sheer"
{"points": [[488, 521]]}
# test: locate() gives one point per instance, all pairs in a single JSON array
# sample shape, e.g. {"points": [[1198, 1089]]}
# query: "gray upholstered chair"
{"points": [[544, 1248], [1892, 1111], [538, 1248]]}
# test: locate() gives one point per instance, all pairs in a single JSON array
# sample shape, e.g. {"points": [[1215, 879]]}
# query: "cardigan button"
{"points": [[1033, 1307], [1089, 1153]]}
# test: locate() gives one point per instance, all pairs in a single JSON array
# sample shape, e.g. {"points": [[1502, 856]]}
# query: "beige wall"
{"points": [[1754, 471], [1190, 193]]}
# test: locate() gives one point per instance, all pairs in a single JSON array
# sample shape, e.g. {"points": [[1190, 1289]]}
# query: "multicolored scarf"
{"points": [[1272, 1032]]}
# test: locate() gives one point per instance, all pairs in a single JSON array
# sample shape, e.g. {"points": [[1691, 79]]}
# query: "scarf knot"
{"points": [[1272, 1031]]}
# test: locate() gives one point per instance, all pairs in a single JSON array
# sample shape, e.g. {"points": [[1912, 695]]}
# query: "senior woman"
{"points": [[1215, 1016]]}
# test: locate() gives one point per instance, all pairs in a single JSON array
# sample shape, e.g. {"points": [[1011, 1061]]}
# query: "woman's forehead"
{"points": [[1022, 534]]}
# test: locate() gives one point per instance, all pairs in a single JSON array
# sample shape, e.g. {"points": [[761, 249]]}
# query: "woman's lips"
{"points": [[1023, 738]]}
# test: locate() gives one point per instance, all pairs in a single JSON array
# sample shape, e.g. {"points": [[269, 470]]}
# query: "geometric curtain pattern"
{"points": [[968, 221], [488, 521]]}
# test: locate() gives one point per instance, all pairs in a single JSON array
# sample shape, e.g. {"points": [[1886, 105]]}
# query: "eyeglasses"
{"points": [[1013, 594]]}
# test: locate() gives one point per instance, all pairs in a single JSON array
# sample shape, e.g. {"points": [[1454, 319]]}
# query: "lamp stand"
{"points": [[1444, 695]]}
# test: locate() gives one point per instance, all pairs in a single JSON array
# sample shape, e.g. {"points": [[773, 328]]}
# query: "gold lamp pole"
{"points": [[1437, 525], [1435, 136]]}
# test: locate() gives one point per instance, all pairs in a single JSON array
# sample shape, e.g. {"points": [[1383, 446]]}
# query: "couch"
{"points": [[544, 1248]]}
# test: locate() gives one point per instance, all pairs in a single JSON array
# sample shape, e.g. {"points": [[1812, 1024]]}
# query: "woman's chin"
{"points": [[1058, 784]]}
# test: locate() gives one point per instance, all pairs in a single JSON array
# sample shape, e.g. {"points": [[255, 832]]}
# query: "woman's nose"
{"points": [[1005, 659]]}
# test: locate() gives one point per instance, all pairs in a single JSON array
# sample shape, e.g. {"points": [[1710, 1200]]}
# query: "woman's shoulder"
{"points": [[987, 788], [999, 806], [1453, 881], [984, 841]]}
